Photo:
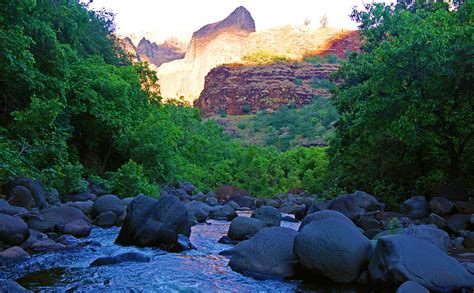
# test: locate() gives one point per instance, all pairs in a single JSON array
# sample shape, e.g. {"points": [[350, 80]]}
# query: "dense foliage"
{"points": [[407, 105], [289, 127], [73, 107]]}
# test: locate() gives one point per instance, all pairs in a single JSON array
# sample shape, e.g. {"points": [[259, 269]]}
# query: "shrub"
{"points": [[246, 109], [130, 180], [297, 81], [331, 58], [241, 125]]}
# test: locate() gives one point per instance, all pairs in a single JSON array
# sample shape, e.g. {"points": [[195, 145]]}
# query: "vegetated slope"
{"points": [[285, 128]]}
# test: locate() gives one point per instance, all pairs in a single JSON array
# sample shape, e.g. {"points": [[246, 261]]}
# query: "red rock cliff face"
{"points": [[239, 89]]}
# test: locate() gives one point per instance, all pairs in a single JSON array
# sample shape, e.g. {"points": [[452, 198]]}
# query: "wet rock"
{"points": [[242, 228], [441, 205], [108, 210], [468, 241], [224, 212], [188, 187], [84, 206], [268, 254], [301, 212], [243, 201], [121, 258], [368, 223], [323, 215], [36, 190], [319, 205], [82, 196], [429, 233], [21, 196], [106, 219], [155, 223], [9, 286], [437, 220], [227, 240], [412, 287], [198, 211], [400, 258], [184, 243], [355, 204], [52, 197], [415, 207], [13, 254], [269, 215], [69, 240], [233, 204], [13, 230], [457, 243], [63, 220], [464, 207], [6, 208], [458, 223], [333, 248]]}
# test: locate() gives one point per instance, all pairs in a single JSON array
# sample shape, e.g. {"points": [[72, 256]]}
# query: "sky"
{"points": [[162, 19]]}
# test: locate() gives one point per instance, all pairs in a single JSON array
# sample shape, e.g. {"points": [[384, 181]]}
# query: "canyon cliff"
{"points": [[153, 53]]}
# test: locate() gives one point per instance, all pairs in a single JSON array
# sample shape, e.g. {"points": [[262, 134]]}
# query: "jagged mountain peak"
{"points": [[239, 19]]}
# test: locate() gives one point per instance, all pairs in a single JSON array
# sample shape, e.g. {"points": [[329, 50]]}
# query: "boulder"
{"points": [[468, 241], [429, 233], [368, 223], [12, 254], [355, 204], [39, 242], [10, 286], [415, 207], [212, 201], [400, 258], [441, 205], [62, 220], [412, 287], [108, 210], [82, 196], [198, 211], [457, 223], [223, 192], [243, 201], [224, 212], [233, 204], [188, 187], [242, 228], [108, 203], [323, 215], [6, 208], [333, 248], [269, 215], [21, 196], [437, 220], [121, 258], [52, 197], [268, 254], [36, 190], [155, 223], [464, 207], [97, 188], [289, 219], [84, 206], [13, 230], [319, 205]]}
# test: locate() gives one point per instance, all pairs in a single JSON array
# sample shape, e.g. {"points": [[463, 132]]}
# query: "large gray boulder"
{"points": [[459, 222], [224, 212], [323, 215], [441, 205], [121, 258], [81, 196], [269, 215], [400, 258], [242, 228], [155, 223], [415, 207], [62, 220], [6, 208], [355, 204], [429, 233], [13, 230], [108, 210], [333, 248], [412, 287], [198, 211], [29, 192], [13, 254], [267, 255]]}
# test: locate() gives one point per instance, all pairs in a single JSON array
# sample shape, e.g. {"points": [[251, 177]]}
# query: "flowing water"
{"points": [[198, 270]]}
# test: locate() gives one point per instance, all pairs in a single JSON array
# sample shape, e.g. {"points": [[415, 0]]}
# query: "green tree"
{"points": [[407, 106]]}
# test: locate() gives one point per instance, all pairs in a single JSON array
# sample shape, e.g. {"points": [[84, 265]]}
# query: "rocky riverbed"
{"points": [[229, 241]]}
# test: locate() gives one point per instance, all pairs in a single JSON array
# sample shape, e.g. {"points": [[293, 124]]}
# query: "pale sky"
{"points": [[180, 18]]}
